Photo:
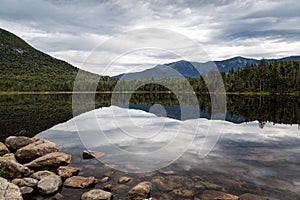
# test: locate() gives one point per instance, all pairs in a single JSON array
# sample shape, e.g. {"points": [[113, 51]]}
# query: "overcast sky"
{"points": [[72, 29]]}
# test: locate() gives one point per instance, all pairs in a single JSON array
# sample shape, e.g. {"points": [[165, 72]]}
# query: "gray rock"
{"points": [[17, 142], [26, 190], [9, 190], [66, 172], [96, 194], [80, 182], [9, 156], [49, 184], [124, 179], [51, 160], [140, 191], [212, 194], [41, 174], [29, 182], [35, 150], [87, 154], [13, 168], [3, 149]]}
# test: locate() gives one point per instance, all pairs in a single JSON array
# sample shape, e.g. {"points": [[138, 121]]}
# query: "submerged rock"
{"points": [[80, 182], [140, 191], [66, 172], [51, 160], [87, 154], [124, 179], [17, 142], [217, 195], [49, 184], [9, 190], [183, 192], [96, 194], [248, 196], [35, 150], [3, 149]]}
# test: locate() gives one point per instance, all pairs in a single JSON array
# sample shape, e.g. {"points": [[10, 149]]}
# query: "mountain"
{"points": [[24, 68], [186, 69]]}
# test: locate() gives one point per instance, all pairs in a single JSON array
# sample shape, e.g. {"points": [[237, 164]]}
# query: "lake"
{"points": [[255, 150]]}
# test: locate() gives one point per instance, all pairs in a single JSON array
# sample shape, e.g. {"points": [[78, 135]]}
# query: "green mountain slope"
{"points": [[23, 68]]}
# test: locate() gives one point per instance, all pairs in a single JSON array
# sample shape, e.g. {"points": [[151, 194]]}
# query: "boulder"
{"points": [[17, 142], [217, 195], [51, 160], [248, 196], [80, 182], [96, 194], [49, 184], [124, 179], [66, 172], [87, 154], [26, 190], [3, 149], [13, 168], [29, 182], [41, 174], [9, 190], [35, 150], [9, 156], [140, 191]]}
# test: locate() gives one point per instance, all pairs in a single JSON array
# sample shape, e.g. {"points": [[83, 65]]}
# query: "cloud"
{"points": [[70, 29]]}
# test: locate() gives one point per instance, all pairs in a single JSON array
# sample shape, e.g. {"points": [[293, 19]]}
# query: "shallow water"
{"points": [[239, 157]]}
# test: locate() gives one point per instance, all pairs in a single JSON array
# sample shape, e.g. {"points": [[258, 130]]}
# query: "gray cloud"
{"points": [[70, 29]]}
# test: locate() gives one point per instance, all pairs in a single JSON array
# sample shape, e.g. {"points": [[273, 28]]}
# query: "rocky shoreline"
{"points": [[36, 169]]}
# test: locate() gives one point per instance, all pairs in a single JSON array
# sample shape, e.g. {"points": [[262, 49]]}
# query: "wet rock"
{"points": [[66, 172], [29, 182], [108, 187], [167, 172], [41, 174], [51, 160], [35, 150], [3, 149], [49, 184], [13, 168], [87, 154], [140, 191], [96, 194], [248, 196], [124, 179], [217, 195], [169, 183], [17, 142], [104, 179], [9, 190], [212, 186], [183, 192], [80, 182], [26, 190]]}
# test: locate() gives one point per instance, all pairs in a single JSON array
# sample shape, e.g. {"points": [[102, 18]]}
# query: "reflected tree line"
{"points": [[31, 114]]}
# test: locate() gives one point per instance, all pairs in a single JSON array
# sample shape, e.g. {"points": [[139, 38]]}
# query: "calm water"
{"points": [[252, 154]]}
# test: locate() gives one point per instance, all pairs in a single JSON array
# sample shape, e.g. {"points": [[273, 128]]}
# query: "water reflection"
{"points": [[245, 159], [31, 114]]}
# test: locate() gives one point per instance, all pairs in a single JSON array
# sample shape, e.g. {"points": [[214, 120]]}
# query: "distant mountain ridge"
{"points": [[188, 69]]}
